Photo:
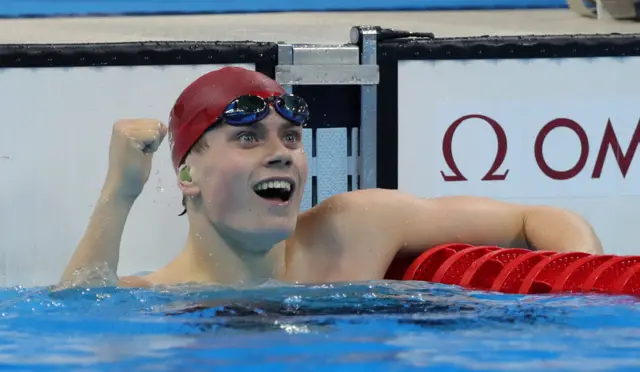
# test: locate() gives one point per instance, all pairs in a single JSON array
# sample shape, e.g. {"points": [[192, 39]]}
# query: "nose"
{"points": [[284, 161], [279, 155]]}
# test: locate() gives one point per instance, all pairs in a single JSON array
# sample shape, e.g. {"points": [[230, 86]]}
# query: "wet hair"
{"points": [[199, 147]]}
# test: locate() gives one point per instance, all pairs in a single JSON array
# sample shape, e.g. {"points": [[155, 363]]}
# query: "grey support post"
{"points": [[285, 57], [366, 37]]}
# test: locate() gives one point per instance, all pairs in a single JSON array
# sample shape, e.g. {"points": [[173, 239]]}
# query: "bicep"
{"points": [[412, 223], [463, 219]]}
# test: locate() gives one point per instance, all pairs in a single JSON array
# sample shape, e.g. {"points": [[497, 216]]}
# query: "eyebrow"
{"points": [[285, 123]]}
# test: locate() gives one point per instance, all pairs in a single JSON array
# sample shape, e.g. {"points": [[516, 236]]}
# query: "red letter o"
{"points": [[584, 149]]}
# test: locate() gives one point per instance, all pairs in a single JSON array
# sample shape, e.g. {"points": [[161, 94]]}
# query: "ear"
{"points": [[185, 181]]}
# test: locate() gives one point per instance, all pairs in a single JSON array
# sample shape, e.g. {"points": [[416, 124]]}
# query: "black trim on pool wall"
{"points": [[140, 54], [504, 47], [331, 106], [390, 52], [387, 132]]}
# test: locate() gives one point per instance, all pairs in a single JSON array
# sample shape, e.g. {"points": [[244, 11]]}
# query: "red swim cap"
{"points": [[204, 100]]}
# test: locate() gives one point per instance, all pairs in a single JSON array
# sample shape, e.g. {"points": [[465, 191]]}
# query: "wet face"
{"points": [[251, 178]]}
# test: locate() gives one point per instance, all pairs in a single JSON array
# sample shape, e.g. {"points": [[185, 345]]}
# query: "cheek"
{"points": [[225, 184], [302, 165]]}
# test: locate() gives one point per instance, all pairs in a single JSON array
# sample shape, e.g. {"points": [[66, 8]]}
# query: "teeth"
{"points": [[274, 185]]}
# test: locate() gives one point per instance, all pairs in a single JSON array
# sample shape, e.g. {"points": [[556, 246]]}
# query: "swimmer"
{"points": [[235, 140]]}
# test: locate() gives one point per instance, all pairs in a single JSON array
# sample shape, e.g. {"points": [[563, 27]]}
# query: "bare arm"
{"points": [[403, 221], [133, 143], [556, 229], [99, 247]]}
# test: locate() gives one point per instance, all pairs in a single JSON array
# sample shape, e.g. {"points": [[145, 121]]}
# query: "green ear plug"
{"points": [[184, 174]]}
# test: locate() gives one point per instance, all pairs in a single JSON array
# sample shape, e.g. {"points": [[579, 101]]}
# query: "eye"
{"points": [[292, 137], [247, 138]]}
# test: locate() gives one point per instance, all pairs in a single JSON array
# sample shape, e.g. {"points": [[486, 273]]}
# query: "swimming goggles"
{"points": [[248, 109]]}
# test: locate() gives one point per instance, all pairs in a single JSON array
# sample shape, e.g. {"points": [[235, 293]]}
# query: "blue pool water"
{"points": [[377, 326]]}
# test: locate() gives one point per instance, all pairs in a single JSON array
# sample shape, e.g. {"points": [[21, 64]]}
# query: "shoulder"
{"points": [[375, 202], [359, 198], [341, 204], [348, 213]]}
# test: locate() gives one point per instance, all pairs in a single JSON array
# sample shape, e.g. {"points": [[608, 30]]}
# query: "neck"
{"points": [[214, 258]]}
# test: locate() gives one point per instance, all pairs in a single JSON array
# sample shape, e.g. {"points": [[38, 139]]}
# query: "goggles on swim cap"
{"points": [[248, 109]]}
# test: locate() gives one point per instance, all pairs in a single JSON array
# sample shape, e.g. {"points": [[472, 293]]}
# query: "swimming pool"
{"points": [[380, 326]]}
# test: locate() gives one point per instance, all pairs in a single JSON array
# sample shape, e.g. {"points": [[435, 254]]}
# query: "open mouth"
{"points": [[279, 190]]}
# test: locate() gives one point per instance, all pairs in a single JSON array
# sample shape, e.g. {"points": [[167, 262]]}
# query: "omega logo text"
{"points": [[609, 141]]}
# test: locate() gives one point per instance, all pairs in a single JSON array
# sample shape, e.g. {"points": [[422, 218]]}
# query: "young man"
{"points": [[235, 139]]}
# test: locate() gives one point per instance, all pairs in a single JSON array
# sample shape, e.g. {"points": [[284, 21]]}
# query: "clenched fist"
{"points": [[133, 143]]}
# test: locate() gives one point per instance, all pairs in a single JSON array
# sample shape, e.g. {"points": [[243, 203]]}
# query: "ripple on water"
{"points": [[374, 324]]}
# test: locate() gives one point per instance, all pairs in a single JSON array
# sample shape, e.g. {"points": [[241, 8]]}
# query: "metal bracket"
{"points": [[327, 75], [285, 57], [303, 64]]}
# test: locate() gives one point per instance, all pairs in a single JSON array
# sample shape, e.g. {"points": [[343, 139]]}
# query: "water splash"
{"points": [[100, 275]]}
